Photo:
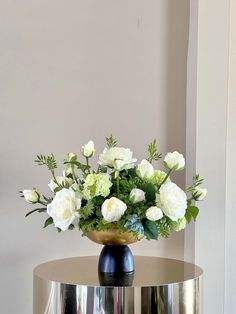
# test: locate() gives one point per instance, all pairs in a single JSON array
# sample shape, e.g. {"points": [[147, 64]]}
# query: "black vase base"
{"points": [[116, 266], [116, 279], [116, 259]]}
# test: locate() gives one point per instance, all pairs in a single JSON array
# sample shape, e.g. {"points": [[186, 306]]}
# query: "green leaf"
{"points": [[87, 210], [163, 230], [39, 210], [102, 169], [194, 211], [48, 222], [153, 152], [150, 191], [47, 199], [57, 189], [132, 172], [191, 213], [132, 198], [111, 142], [188, 216], [150, 229], [79, 165], [98, 213], [196, 182]]}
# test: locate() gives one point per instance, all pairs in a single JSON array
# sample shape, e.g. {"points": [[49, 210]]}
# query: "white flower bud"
{"points": [[71, 157], [154, 213], [174, 161], [201, 193], [88, 149], [31, 196], [137, 195], [145, 170]]}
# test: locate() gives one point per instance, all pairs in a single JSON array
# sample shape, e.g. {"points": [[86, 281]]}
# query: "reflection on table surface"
{"points": [[149, 271]]}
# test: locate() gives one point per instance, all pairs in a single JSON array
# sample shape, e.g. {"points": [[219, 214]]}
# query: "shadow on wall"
{"points": [[177, 48]]}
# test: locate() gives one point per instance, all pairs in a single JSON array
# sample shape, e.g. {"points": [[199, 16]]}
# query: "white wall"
{"points": [[211, 146], [69, 72]]}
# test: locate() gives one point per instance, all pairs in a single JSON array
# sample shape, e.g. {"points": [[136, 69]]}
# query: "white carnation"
{"points": [[64, 208], [174, 161], [172, 200], [113, 209], [118, 158], [154, 213], [145, 170]]}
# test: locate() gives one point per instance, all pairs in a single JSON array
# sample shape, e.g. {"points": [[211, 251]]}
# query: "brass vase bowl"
{"points": [[113, 237]]}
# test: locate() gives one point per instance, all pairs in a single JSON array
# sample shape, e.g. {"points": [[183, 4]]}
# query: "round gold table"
{"points": [[160, 286]]}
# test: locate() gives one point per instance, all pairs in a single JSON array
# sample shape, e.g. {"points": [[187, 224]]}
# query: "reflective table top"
{"points": [[149, 271]]}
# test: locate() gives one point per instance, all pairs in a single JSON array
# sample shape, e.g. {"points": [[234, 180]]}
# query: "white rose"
{"points": [[88, 150], [64, 208], [154, 213], [65, 182], [174, 161], [113, 209], [172, 200], [117, 157], [145, 170], [201, 193], [137, 195], [31, 196]]}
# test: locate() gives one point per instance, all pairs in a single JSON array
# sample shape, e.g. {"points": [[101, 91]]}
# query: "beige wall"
{"points": [[70, 72], [230, 234]]}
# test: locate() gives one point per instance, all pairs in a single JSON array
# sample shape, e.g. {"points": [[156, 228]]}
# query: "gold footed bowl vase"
{"points": [[116, 262]]}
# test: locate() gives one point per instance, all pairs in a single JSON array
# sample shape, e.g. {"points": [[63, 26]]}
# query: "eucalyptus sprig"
{"points": [[153, 152], [48, 161], [111, 142], [196, 182]]}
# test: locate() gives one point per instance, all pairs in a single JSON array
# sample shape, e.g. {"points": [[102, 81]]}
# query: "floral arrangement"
{"points": [[119, 194]]}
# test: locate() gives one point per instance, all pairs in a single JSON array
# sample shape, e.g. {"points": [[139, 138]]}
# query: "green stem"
{"points": [[54, 177], [166, 177], [87, 161], [118, 184], [42, 203], [73, 173]]}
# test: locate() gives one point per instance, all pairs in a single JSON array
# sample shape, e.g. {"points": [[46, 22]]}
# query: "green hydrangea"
{"points": [[95, 185], [179, 225], [158, 177]]}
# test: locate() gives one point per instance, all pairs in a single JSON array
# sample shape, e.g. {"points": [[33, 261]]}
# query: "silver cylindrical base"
{"points": [[66, 297]]}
